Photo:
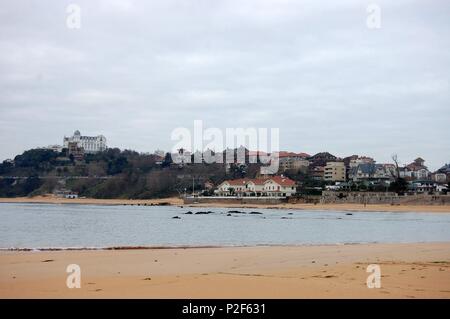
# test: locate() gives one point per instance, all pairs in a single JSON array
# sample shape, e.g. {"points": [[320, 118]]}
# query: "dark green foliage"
{"points": [[38, 159], [167, 160], [400, 185], [19, 187], [117, 165], [31, 183], [5, 167]]}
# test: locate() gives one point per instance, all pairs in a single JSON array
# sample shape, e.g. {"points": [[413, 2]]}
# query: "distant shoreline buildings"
{"points": [[338, 173]]}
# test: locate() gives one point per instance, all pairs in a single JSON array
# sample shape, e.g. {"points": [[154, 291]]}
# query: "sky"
{"points": [[136, 70]]}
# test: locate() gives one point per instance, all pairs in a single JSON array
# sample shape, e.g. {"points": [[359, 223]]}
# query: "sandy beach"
{"points": [[50, 199], [334, 271], [176, 201]]}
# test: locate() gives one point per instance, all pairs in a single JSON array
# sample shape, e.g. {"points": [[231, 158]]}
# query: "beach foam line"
{"points": [[103, 248], [177, 247]]}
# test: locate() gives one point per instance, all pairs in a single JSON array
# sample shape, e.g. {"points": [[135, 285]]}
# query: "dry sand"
{"points": [[335, 271], [179, 202], [50, 199]]}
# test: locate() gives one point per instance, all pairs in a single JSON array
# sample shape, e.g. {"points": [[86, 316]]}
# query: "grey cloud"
{"points": [[138, 69]]}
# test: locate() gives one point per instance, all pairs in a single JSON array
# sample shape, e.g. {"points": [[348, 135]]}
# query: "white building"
{"points": [[275, 186], [54, 148], [90, 144]]}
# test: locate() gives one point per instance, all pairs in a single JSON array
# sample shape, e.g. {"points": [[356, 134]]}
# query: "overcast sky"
{"points": [[136, 70]]}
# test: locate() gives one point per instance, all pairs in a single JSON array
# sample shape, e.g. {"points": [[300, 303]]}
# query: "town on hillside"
{"points": [[83, 166]]}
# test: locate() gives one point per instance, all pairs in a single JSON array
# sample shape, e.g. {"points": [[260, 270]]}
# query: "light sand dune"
{"points": [[50, 199], [335, 271]]}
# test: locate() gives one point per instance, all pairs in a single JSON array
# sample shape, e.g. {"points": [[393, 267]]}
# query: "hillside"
{"points": [[109, 174]]}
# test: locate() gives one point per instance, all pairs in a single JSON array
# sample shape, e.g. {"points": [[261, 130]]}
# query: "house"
{"points": [[415, 170], [334, 172], [371, 172], [65, 193], [444, 170], [232, 187], [275, 186], [439, 177], [279, 186], [422, 186], [361, 172], [354, 162]]}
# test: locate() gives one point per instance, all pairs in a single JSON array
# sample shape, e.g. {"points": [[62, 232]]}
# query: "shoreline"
{"points": [[113, 248], [175, 201], [416, 270]]}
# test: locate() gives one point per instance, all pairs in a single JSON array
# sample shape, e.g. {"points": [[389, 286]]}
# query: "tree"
{"points": [[117, 165], [35, 158], [395, 174], [400, 185], [31, 183], [167, 160], [6, 167]]}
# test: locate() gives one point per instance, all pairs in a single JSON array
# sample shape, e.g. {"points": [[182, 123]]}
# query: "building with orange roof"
{"points": [[275, 186]]}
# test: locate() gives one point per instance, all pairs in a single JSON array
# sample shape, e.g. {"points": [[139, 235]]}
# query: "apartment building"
{"points": [[334, 172]]}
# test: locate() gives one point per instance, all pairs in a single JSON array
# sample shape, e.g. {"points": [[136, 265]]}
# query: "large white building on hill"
{"points": [[90, 144]]}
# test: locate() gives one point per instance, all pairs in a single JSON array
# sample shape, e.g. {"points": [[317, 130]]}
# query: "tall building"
{"points": [[90, 144], [334, 172], [293, 161]]}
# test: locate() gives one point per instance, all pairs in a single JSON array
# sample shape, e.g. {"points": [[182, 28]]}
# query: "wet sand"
{"points": [[175, 201], [333, 271]]}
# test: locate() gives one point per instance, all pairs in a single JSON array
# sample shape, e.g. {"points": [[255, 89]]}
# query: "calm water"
{"points": [[44, 226]]}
